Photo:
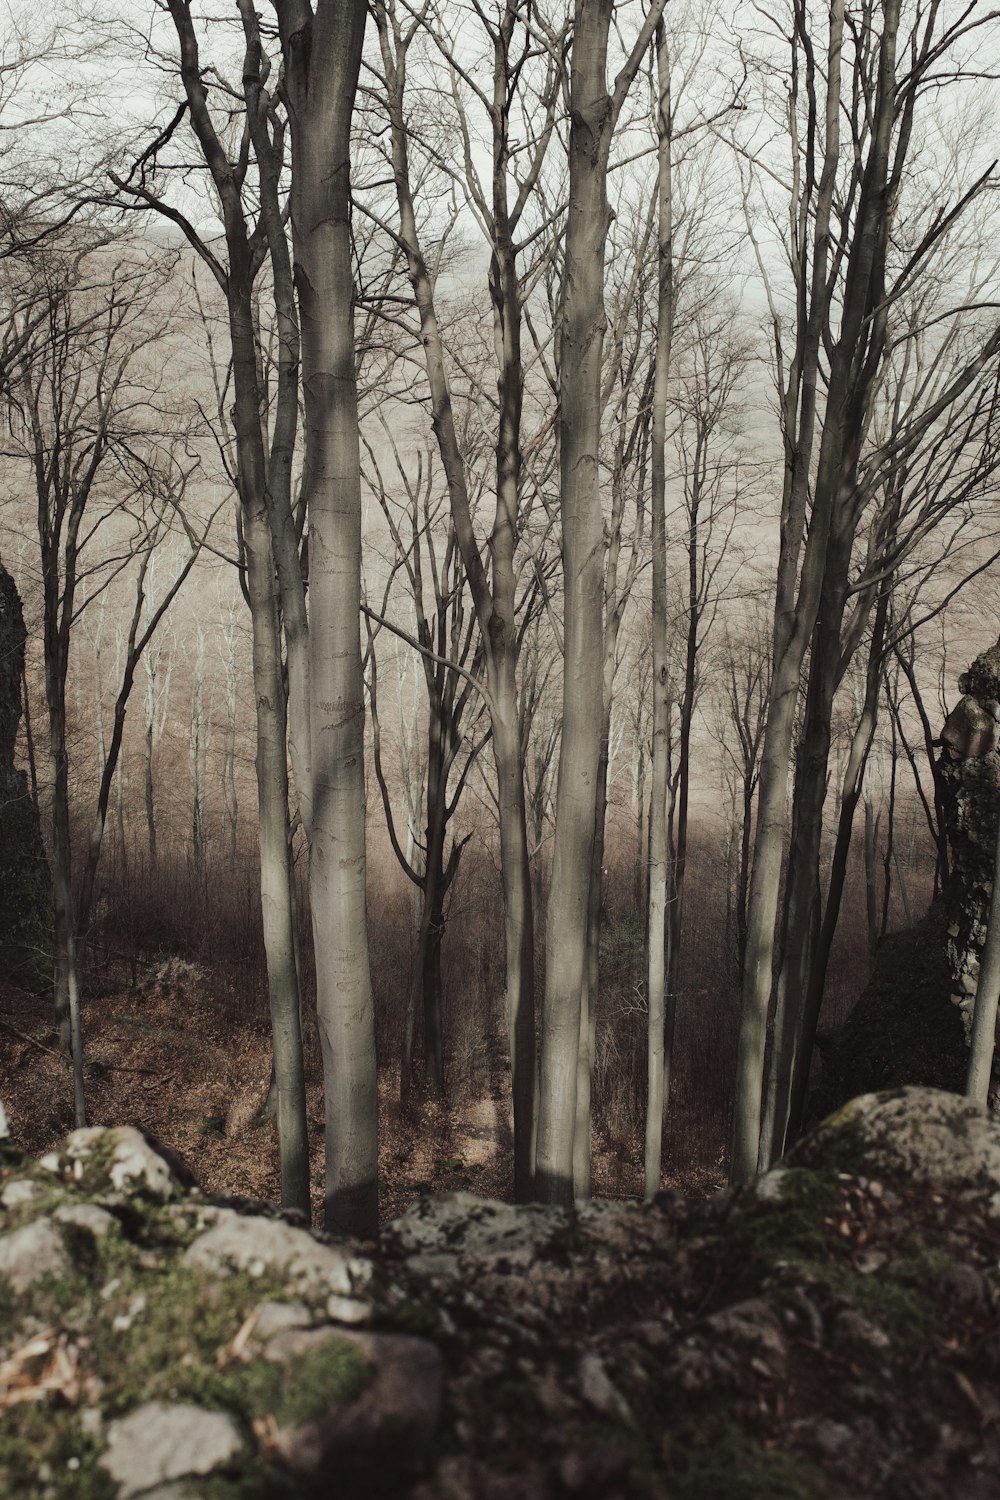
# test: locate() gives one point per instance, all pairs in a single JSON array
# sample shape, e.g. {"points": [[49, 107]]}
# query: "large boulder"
{"points": [[925, 1137], [903, 1028], [830, 1331]]}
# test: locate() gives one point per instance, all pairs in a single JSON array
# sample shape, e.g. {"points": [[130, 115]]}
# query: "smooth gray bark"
{"points": [[322, 59], [594, 112], [656, 954], [245, 256], [984, 1022]]}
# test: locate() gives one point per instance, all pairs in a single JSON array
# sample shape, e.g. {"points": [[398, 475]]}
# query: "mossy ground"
{"points": [[144, 1326], [719, 1458], [701, 1416]]}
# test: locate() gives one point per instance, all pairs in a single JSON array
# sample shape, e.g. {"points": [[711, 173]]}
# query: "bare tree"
{"points": [[445, 633], [261, 474], [841, 215], [499, 212], [106, 491]]}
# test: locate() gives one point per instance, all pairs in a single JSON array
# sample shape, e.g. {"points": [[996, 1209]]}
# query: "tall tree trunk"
{"points": [[148, 795], [890, 839], [854, 362], [656, 954], [641, 843], [871, 898], [802, 899], [433, 900], [796, 1079], [743, 875], [518, 909], [64, 916], [588, 1010], [495, 605], [230, 800], [196, 760], [275, 862], [322, 58], [237, 284], [432, 984], [582, 341], [984, 1021], [593, 116]]}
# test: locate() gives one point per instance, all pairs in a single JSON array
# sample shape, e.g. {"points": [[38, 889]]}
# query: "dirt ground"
{"points": [[170, 1057]]}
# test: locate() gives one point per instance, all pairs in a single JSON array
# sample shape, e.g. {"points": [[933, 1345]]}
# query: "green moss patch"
{"points": [[145, 1329], [722, 1458], [44, 1452]]}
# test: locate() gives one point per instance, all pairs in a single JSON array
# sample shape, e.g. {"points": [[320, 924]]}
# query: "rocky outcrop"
{"points": [[969, 773], [24, 880], [902, 1029], [831, 1331]]}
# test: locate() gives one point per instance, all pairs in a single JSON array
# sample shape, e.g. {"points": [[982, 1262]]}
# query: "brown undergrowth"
{"points": [[165, 1057]]}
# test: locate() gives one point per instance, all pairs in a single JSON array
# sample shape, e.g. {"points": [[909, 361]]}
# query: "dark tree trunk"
{"points": [[25, 889]]}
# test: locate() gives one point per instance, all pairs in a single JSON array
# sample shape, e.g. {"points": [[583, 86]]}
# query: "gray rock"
{"points": [[182, 1491], [347, 1309], [440, 1234], [963, 1285], [123, 1157], [593, 1471], [857, 1330], [752, 1328], [770, 1186], [393, 1419], [34, 1250], [832, 1441], [158, 1443], [276, 1317], [21, 1190], [259, 1246], [922, 1136], [85, 1216], [599, 1391]]}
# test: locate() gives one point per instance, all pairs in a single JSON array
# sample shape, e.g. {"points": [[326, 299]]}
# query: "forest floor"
{"points": [[167, 1057]]}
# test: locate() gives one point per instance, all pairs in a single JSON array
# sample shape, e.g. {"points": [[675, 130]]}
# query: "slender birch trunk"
{"points": [[275, 864], [588, 1011], [197, 758], [230, 800], [639, 813]]}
